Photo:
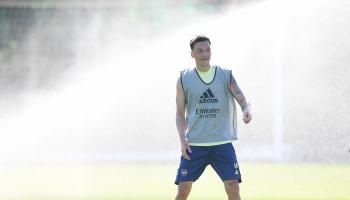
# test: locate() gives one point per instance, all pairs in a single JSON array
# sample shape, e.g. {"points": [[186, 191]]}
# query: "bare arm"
{"points": [[180, 118], [240, 98]]}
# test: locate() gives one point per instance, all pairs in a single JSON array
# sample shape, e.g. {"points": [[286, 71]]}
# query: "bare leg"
{"points": [[183, 190], [232, 189]]}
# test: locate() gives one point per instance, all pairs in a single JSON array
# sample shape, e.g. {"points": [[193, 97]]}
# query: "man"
{"points": [[206, 121]]}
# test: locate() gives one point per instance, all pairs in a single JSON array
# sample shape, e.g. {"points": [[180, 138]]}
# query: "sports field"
{"points": [[155, 182]]}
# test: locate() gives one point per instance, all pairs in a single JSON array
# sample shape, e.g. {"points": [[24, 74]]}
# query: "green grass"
{"points": [[155, 182]]}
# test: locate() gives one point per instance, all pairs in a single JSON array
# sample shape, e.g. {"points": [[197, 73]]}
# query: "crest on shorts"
{"points": [[184, 172]]}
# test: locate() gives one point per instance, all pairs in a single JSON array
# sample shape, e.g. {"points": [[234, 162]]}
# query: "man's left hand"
{"points": [[247, 117]]}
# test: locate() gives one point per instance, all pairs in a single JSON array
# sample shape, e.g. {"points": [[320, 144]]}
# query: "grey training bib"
{"points": [[210, 108]]}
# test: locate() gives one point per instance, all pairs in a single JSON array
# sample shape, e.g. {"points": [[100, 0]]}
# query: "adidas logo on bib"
{"points": [[208, 97]]}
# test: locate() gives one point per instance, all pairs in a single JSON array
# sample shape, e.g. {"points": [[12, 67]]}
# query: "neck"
{"points": [[203, 68]]}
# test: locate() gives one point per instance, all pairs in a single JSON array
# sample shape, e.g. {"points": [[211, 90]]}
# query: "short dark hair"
{"points": [[198, 38]]}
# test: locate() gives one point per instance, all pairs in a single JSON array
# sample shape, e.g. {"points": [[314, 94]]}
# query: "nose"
{"points": [[205, 54]]}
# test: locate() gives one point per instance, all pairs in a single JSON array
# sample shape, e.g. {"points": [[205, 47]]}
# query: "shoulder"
{"points": [[223, 69], [186, 77], [225, 72], [187, 72]]}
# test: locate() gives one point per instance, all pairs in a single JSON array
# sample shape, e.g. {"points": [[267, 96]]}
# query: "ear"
{"points": [[192, 54]]}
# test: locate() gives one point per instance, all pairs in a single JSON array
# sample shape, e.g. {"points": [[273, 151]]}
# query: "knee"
{"points": [[183, 190]]}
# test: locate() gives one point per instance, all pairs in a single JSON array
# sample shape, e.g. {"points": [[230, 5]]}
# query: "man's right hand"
{"points": [[184, 148]]}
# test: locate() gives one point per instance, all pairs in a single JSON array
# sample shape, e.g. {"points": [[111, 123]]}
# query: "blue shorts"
{"points": [[221, 157]]}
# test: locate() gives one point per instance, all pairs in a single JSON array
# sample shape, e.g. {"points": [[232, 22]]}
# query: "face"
{"points": [[201, 52]]}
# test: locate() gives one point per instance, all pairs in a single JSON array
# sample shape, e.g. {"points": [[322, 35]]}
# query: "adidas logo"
{"points": [[236, 165], [236, 168], [208, 97]]}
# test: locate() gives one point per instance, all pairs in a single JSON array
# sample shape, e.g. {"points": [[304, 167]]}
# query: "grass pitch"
{"points": [[155, 182]]}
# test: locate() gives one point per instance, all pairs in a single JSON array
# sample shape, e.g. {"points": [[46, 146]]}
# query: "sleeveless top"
{"points": [[210, 107]]}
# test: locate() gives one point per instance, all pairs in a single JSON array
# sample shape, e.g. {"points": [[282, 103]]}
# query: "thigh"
{"points": [[224, 161], [232, 184], [185, 186], [191, 170]]}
